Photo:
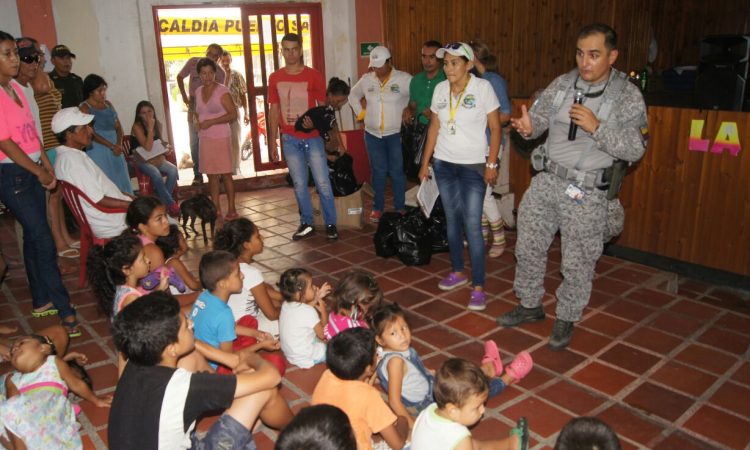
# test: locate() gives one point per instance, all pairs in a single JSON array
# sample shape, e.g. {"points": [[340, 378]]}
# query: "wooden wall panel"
{"points": [[687, 205]]}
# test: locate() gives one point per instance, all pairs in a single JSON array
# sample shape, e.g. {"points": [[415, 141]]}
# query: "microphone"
{"points": [[573, 127]]}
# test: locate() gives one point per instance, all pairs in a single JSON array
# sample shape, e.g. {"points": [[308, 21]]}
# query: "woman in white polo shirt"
{"points": [[387, 93], [464, 107]]}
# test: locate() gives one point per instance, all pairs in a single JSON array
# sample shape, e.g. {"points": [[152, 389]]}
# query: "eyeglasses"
{"points": [[31, 59]]}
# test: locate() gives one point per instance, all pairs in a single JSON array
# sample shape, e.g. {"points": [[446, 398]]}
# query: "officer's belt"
{"points": [[588, 180]]}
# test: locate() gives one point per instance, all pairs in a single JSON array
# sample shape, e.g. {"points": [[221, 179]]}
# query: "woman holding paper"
{"points": [[107, 150], [146, 132], [463, 107]]}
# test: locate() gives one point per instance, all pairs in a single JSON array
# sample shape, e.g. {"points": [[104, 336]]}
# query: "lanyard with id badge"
{"points": [[452, 122]]}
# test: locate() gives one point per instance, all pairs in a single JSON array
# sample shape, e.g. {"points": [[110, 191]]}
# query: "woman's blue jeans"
{"points": [[298, 154], [386, 160], [462, 191], [24, 196], [163, 189]]}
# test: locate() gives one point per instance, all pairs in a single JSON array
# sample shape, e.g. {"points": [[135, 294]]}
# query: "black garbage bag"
{"points": [[438, 232], [413, 241], [385, 237], [341, 172], [413, 140]]}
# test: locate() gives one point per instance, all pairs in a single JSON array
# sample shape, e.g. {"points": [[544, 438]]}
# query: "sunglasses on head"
{"points": [[30, 59], [455, 46]]}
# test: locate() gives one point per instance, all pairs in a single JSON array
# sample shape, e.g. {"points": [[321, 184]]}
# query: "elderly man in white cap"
{"points": [[386, 91], [73, 130]]}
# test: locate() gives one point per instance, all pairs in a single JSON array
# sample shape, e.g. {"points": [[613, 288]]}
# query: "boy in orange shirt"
{"points": [[347, 384]]}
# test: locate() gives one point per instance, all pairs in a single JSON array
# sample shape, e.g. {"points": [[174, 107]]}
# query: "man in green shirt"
{"points": [[69, 84], [422, 85]]}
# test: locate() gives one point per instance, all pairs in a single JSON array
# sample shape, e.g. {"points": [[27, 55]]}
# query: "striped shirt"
{"points": [[237, 87], [49, 104]]}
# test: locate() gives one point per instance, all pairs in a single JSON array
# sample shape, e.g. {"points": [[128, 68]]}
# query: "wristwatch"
{"points": [[491, 166]]}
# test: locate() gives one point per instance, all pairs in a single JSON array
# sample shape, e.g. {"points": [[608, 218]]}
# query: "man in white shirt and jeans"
{"points": [[73, 130]]}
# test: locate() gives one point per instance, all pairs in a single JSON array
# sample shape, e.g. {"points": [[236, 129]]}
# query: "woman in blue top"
{"points": [[485, 64], [107, 151]]}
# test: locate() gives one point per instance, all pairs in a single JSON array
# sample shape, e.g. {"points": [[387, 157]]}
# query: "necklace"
{"points": [[590, 95]]}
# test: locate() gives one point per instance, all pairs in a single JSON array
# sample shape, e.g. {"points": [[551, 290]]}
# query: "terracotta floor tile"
{"points": [[88, 444], [310, 257], [611, 286], [534, 379], [504, 398], [733, 397], [358, 257], [496, 286], [280, 264], [598, 299], [102, 328], [384, 265], [695, 310], [492, 429], [513, 340], [544, 419], [725, 340], [437, 310], [629, 358], [97, 416], [415, 320], [434, 362], [388, 285], [681, 441], [430, 286], [498, 306], [706, 358], [630, 275], [684, 378], [694, 286], [734, 322], [408, 275], [603, 378], [331, 265], [288, 394], [651, 297], [571, 397], [658, 401], [742, 374], [626, 423], [473, 324], [654, 340], [605, 324], [408, 297], [559, 361], [103, 436], [588, 342], [306, 379], [672, 323], [263, 442], [439, 336], [720, 426], [92, 350], [624, 309]]}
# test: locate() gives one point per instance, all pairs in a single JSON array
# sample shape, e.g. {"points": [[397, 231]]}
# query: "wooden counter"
{"points": [[688, 205]]}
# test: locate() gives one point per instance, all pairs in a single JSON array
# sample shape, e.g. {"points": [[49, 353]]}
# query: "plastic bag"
{"points": [[413, 140], [413, 241], [385, 236], [341, 173]]}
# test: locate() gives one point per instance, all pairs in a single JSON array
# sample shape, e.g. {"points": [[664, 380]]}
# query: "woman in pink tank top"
{"points": [[214, 111]]}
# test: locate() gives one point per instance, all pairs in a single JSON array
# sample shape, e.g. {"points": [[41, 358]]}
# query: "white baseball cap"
{"points": [[457, 49], [69, 117], [378, 56]]}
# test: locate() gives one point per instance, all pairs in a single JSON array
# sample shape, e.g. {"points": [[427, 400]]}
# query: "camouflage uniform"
{"points": [[546, 207]]}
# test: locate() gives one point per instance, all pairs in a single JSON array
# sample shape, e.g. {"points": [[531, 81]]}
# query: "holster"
{"points": [[614, 175]]}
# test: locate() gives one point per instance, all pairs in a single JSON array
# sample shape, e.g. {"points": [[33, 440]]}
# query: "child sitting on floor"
{"points": [[34, 408], [461, 390], [587, 433], [408, 383], [320, 427], [259, 299], [174, 246], [156, 404], [347, 384], [356, 294], [302, 319], [214, 323]]}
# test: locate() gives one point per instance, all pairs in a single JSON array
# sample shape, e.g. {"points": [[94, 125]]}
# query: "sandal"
{"points": [[522, 431], [14, 263], [73, 329], [521, 366], [76, 244], [231, 216], [51, 311], [491, 354], [69, 253]]}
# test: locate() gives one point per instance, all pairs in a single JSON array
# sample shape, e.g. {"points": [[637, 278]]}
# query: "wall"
{"points": [[369, 29], [9, 21]]}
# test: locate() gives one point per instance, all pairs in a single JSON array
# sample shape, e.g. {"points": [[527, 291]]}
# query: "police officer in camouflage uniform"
{"points": [[570, 193]]}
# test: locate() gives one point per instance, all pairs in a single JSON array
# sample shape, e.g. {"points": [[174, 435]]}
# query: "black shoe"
{"points": [[304, 230], [332, 235], [197, 181], [521, 315], [561, 335]]}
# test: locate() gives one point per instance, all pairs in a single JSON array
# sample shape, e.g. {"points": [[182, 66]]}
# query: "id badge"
{"points": [[451, 127], [575, 193]]}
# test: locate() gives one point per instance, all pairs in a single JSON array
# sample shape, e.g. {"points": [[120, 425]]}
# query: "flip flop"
{"points": [[522, 431], [521, 366], [491, 354], [231, 216], [71, 326], [76, 244], [51, 311], [71, 253]]}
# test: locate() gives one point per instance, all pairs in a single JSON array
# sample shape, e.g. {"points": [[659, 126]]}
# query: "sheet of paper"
{"points": [[428, 194], [156, 149]]}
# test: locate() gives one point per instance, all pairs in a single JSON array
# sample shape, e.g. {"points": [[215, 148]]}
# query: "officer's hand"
{"points": [[523, 124], [584, 118], [490, 176]]}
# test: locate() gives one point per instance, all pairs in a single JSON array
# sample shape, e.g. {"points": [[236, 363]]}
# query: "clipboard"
{"points": [[157, 149], [428, 194]]}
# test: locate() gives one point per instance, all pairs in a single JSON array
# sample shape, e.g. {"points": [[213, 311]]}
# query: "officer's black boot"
{"points": [[521, 315], [561, 335]]}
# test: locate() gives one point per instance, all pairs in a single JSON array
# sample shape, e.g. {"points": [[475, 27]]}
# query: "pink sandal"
{"points": [[521, 366], [491, 354]]}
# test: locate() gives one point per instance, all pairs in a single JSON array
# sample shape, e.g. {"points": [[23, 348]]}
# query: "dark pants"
{"points": [[24, 196]]}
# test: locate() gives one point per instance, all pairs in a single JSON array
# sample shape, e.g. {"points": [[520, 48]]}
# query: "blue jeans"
{"points": [[299, 153], [195, 149], [386, 160], [24, 196], [163, 189], [462, 191], [227, 434]]}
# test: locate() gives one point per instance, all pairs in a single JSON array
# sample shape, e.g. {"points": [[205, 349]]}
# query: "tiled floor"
{"points": [[666, 371]]}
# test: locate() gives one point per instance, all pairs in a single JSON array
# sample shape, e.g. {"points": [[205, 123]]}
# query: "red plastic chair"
{"points": [[73, 196], [145, 186]]}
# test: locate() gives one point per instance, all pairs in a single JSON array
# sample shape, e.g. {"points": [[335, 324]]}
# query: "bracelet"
{"points": [[491, 166]]}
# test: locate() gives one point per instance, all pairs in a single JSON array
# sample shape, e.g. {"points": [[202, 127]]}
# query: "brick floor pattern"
{"points": [[666, 371]]}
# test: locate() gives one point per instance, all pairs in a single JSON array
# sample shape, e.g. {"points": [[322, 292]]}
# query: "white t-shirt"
{"points": [[432, 431], [469, 143], [28, 91], [75, 167], [244, 303], [299, 343], [385, 103]]}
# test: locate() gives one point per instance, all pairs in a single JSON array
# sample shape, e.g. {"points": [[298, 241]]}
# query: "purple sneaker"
{"points": [[477, 301], [452, 281]]}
